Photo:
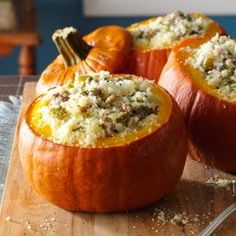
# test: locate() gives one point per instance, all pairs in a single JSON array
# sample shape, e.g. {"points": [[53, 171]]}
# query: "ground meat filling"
{"points": [[169, 30], [216, 59], [98, 106]]}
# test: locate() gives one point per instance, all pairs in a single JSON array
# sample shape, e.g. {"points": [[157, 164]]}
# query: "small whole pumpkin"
{"points": [[107, 48], [154, 38], [199, 78], [116, 172]]}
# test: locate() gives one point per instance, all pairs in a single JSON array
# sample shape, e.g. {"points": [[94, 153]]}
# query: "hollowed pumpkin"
{"points": [[148, 60], [117, 174], [106, 48], [210, 119]]}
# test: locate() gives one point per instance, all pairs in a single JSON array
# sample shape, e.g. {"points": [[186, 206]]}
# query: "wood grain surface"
{"points": [[190, 208]]}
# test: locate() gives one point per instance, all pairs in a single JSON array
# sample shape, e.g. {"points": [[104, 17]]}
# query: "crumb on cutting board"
{"points": [[229, 184], [49, 225]]}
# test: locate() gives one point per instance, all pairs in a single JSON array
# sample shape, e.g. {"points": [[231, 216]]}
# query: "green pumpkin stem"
{"points": [[71, 45]]}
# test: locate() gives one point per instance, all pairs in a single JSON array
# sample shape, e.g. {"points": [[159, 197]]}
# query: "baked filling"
{"points": [[95, 106], [169, 30], [216, 60]]}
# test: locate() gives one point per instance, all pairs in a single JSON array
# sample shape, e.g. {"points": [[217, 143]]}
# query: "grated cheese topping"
{"points": [[98, 106], [169, 30], [216, 60]]}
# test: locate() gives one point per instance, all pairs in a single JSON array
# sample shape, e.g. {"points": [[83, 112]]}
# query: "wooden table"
{"points": [[24, 35], [23, 212]]}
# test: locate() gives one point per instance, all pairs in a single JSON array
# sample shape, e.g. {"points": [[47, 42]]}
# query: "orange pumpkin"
{"points": [[210, 120], [119, 174], [106, 48], [148, 60]]}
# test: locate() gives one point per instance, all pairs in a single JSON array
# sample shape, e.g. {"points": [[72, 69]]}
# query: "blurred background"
{"points": [[88, 14]]}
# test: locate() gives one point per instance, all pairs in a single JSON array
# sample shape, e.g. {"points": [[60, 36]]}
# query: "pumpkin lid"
{"points": [[100, 110], [168, 31], [212, 64]]}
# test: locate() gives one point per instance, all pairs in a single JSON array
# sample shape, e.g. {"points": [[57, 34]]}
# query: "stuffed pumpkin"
{"points": [[154, 38], [104, 143], [202, 79]]}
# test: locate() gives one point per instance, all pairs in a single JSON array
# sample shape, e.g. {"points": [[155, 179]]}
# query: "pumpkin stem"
{"points": [[71, 45]]}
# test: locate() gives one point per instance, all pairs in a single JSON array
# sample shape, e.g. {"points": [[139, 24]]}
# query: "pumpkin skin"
{"points": [[210, 120], [111, 48], [149, 62], [108, 179]]}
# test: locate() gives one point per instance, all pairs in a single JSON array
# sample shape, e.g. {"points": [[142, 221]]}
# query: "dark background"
{"points": [[54, 14]]}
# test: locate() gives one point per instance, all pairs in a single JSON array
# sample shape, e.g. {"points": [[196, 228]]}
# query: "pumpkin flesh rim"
{"points": [[165, 106]]}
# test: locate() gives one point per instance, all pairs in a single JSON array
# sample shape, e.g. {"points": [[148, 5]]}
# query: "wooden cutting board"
{"points": [[187, 211]]}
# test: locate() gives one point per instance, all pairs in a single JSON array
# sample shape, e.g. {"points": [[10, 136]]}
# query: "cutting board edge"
{"points": [[14, 144]]}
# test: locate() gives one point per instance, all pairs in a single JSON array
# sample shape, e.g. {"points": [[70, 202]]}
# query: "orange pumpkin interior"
{"points": [[164, 112]]}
